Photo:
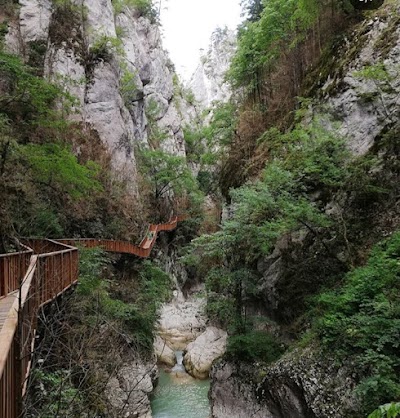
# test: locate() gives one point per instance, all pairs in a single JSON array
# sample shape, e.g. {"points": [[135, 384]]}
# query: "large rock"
{"points": [[164, 354], [182, 322], [300, 385], [128, 392], [201, 353], [34, 19]]}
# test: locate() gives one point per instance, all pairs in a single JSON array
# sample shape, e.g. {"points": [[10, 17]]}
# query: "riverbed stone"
{"points": [[201, 353], [182, 322], [164, 353], [128, 391]]}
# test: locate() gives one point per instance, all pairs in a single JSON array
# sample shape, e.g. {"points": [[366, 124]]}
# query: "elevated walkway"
{"points": [[32, 277]]}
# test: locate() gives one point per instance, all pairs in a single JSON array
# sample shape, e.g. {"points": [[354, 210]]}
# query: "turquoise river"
{"points": [[177, 395]]}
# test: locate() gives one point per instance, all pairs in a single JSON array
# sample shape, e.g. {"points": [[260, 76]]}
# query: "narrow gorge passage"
{"points": [[177, 393], [186, 346]]}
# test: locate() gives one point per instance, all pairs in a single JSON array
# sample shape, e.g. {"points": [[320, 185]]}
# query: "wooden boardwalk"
{"points": [[42, 270]]}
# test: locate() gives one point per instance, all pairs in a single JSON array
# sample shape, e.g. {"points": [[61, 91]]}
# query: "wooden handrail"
{"points": [[32, 278]]}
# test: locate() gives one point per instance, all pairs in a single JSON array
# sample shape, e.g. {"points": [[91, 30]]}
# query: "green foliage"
{"points": [[223, 124], [86, 336], [49, 187], [194, 143], [3, 33], [153, 287], [272, 29], [305, 160], [145, 7], [377, 72], [56, 167], [384, 78], [156, 134], [105, 47], [37, 52], [252, 9], [167, 173], [390, 410], [361, 323], [128, 86], [55, 394], [254, 346], [28, 98], [45, 222]]}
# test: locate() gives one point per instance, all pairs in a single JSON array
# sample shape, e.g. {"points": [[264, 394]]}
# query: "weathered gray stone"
{"points": [[364, 108], [208, 82], [112, 93], [128, 392], [201, 353], [164, 354], [34, 19], [182, 322], [302, 384]]}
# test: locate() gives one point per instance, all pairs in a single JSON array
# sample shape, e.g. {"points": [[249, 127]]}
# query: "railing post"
{"points": [[18, 355]]}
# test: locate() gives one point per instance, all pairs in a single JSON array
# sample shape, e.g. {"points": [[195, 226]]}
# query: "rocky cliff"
{"points": [[208, 82], [300, 386], [110, 58], [356, 94]]}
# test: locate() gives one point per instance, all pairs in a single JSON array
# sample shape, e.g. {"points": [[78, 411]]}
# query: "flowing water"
{"points": [[178, 395]]}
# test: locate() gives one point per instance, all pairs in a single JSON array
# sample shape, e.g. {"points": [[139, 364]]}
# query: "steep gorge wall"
{"points": [[113, 64], [356, 101], [208, 82]]}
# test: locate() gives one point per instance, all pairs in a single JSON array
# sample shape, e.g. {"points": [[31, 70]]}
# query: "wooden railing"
{"points": [[29, 279]]}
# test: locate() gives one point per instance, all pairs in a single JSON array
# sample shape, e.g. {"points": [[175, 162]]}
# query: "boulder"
{"points": [[201, 353], [302, 384], [129, 391], [164, 353], [181, 323]]}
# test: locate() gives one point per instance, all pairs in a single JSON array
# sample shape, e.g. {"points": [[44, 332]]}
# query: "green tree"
{"points": [[170, 180], [57, 168], [308, 159]]}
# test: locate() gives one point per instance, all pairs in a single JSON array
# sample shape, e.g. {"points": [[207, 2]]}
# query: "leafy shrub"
{"points": [[27, 97], [254, 346], [105, 47], [55, 394], [56, 167], [390, 410], [361, 323], [138, 319], [145, 7]]}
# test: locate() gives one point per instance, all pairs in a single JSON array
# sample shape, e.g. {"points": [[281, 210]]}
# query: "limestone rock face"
{"points": [[113, 89], [233, 392], [364, 107], [128, 392], [300, 385], [208, 81], [201, 353], [164, 354], [34, 19], [182, 322]]}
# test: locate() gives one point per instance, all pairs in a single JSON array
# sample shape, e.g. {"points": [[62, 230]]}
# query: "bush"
{"points": [[361, 323], [56, 167], [254, 346], [145, 7], [390, 410], [137, 319], [55, 394]]}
